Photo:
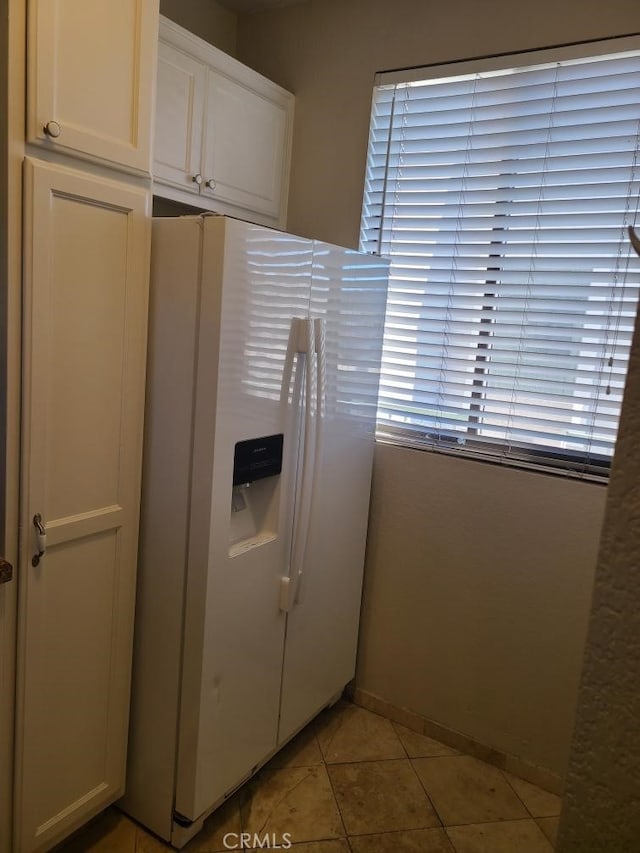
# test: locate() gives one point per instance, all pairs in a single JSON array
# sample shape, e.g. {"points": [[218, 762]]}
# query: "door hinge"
{"points": [[285, 594]]}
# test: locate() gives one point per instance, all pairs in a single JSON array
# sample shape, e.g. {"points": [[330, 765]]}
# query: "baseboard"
{"points": [[539, 776]]}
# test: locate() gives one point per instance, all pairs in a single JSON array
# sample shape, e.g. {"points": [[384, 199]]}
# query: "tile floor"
{"points": [[354, 782]]}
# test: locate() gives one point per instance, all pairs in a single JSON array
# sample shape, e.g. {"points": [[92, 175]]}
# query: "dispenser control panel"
{"points": [[257, 458]]}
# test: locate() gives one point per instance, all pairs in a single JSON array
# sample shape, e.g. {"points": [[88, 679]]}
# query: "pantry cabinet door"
{"points": [[179, 114], [85, 308], [91, 69], [247, 152]]}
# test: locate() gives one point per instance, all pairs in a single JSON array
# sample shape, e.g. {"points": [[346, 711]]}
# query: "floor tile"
{"points": [[381, 796], [514, 836], [302, 751], [421, 746], [347, 733], [296, 800], [210, 839], [224, 820], [465, 790], [549, 825], [148, 843], [336, 846], [540, 803], [413, 841], [110, 832]]}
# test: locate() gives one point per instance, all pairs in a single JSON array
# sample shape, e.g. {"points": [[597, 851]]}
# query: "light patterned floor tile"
{"points": [[413, 841], [336, 846], [110, 832], [296, 800], [148, 843], [383, 803], [514, 836], [465, 790], [347, 733], [222, 822], [302, 751], [549, 825], [421, 746], [539, 802], [381, 796]]}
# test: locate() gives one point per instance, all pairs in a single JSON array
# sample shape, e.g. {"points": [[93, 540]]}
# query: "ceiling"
{"points": [[256, 5]]}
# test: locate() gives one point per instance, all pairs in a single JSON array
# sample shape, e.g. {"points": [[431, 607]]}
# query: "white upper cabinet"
{"points": [[223, 131], [90, 69], [182, 82]]}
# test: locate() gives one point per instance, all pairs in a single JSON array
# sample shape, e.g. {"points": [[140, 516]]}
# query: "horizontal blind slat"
{"points": [[502, 200]]}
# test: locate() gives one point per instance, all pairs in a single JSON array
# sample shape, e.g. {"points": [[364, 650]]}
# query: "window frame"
{"points": [[546, 458]]}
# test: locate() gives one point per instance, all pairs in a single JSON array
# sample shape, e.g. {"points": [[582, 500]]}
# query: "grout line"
{"points": [[450, 840], [508, 781], [488, 822], [341, 763], [426, 793], [335, 799], [339, 718], [393, 726]]}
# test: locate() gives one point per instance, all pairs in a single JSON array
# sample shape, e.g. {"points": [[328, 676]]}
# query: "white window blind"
{"points": [[502, 197]]}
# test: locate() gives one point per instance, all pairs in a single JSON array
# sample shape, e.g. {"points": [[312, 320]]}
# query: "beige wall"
{"points": [[486, 638], [327, 52], [205, 18], [477, 589]]}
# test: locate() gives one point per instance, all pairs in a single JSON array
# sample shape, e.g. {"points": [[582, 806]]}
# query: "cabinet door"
{"points": [[91, 72], [179, 116], [86, 296], [246, 146]]}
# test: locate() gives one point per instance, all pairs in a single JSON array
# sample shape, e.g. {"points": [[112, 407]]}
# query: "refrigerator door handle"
{"points": [[319, 325], [319, 347], [296, 347], [303, 514], [294, 374]]}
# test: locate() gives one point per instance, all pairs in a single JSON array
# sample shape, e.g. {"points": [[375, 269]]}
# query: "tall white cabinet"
{"points": [[87, 203], [86, 274]]}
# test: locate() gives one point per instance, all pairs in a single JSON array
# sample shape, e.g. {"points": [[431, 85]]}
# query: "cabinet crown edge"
{"points": [[183, 39]]}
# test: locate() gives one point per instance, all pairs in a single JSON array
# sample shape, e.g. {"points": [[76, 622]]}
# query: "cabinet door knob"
{"points": [[197, 179], [52, 129], [211, 183], [6, 571]]}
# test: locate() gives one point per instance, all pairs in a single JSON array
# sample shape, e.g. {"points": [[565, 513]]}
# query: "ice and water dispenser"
{"points": [[257, 464]]}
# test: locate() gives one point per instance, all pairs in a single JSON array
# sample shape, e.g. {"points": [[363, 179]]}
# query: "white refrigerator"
{"points": [[264, 355]]}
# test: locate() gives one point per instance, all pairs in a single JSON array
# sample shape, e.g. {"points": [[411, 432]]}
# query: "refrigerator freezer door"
{"points": [[254, 281], [347, 305]]}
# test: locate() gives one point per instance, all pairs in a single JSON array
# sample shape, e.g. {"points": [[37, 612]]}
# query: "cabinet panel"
{"points": [[86, 286], [91, 68], [179, 114], [225, 123], [245, 146]]}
